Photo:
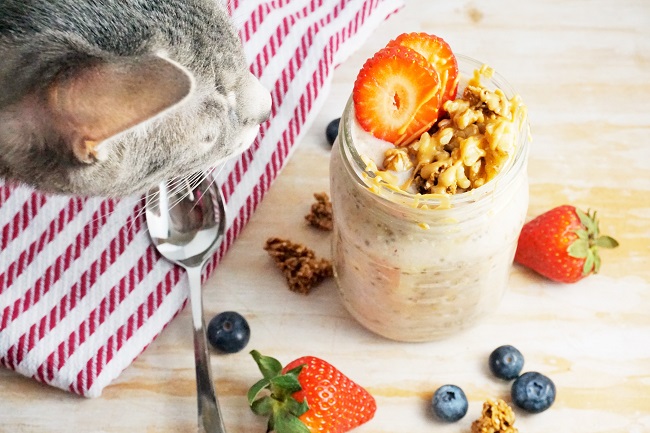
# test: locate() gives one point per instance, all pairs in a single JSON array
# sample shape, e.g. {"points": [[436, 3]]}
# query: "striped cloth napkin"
{"points": [[82, 290]]}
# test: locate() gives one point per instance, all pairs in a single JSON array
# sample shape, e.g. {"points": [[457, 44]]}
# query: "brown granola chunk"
{"points": [[321, 212], [298, 263], [496, 417]]}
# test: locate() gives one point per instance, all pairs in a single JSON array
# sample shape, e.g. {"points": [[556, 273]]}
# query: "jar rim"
{"points": [[506, 175]]}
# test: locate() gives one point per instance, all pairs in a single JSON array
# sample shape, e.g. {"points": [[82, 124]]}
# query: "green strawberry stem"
{"points": [[272, 396], [588, 242]]}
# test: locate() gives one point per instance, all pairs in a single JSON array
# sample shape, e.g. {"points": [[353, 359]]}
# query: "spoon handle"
{"points": [[210, 420]]}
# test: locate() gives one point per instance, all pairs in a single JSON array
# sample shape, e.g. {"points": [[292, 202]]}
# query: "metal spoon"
{"points": [[187, 227]]}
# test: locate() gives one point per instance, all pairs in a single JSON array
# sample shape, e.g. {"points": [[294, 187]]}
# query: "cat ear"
{"points": [[103, 99]]}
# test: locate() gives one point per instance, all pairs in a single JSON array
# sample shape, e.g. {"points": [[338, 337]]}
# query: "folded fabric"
{"points": [[82, 289]]}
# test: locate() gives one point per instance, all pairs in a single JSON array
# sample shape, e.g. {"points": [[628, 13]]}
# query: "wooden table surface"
{"points": [[583, 68]]}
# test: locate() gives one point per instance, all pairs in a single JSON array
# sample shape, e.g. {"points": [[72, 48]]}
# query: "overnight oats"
{"points": [[429, 190]]}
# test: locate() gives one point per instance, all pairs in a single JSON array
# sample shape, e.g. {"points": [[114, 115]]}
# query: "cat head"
{"points": [[111, 98]]}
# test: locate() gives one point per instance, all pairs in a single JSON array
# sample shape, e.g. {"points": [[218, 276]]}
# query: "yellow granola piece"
{"points": [[496, 417], [397, 159]]}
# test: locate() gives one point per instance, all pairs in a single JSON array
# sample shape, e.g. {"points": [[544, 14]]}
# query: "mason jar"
{"points": [[420, 268]]}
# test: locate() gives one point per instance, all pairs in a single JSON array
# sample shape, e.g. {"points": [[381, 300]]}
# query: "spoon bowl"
{"points": [[186, 225]]}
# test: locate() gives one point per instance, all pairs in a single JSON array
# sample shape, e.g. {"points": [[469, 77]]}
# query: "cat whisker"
{"points": [[200, 177], [214, 176], [176, 183], [190, 190], [189, 182], [141, 209], [218, 170], [104, 215]]}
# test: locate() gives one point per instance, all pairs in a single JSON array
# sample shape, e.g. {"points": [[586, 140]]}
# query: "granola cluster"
{"points": [[496, 417], [298, 263], [467, 149], [321, 212]]}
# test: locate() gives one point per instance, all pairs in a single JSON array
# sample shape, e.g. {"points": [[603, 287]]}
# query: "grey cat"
{"points": [[110, 97]]}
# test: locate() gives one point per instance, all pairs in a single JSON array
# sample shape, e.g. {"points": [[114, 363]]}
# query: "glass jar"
{"points": [[418, 269]]}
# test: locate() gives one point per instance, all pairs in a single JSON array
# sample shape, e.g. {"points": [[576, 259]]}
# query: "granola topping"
{"points": [[461, 152], [496, 417], [397, 159]]}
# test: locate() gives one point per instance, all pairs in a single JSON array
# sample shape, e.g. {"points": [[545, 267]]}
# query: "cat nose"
{"points": [[256, 99]]}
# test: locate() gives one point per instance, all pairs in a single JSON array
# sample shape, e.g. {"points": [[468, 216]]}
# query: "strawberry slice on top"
{"points": [[396, 95], [438, 53]]}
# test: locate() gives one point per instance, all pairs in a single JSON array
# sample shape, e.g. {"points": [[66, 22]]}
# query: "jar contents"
{"points": [[429, 191], [465, 150]]}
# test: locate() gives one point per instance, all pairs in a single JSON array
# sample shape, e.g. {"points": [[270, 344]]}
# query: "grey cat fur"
{"points": [[111, 97]]}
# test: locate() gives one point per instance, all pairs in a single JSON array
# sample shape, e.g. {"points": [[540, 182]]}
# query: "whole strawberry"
{"points": [[308, 395], [562, 244]]}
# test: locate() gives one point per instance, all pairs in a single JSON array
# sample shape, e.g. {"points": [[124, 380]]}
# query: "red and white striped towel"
{"points": [[82, 290]]}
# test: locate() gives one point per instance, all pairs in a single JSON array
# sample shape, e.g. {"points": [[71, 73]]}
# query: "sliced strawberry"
{"points": [[438, 53], [396, 95]]}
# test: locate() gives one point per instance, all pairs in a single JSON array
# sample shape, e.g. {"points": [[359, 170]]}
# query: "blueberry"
{"points": [[533, 392], [449, 403], [332, 130], [228, 332], [506, 362]]}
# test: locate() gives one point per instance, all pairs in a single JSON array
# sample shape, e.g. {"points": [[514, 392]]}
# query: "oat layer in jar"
{"points": [[420, 267]]}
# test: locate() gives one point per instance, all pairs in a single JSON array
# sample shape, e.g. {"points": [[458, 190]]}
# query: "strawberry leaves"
{"points": [[589, 239], [308, 395], [278, 404]]}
